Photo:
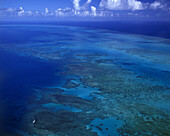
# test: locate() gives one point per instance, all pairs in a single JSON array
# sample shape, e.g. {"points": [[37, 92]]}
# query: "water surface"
{"points": [[83, 80]]}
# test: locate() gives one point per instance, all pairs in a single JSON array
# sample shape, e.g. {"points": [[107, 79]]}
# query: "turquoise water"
{"points": [[64, 80]]}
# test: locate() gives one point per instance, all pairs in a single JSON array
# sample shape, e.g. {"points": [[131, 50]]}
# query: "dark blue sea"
{"points": [[84, 78]]}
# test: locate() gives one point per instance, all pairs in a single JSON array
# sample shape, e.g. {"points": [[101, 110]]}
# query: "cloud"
{"points": [[76, 4], [156, 5], [121, 4], [21, 11], [107, 8], [88, 1], [93, 9], [29, 13], [86, 5], [46, 10], [133, 5], [10, 10]]}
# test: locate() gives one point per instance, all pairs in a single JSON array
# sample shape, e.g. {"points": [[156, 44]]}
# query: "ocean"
{"points": [[84, 78]]}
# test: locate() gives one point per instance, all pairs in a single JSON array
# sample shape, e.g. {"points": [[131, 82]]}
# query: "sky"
{"points": [[111, 9]]}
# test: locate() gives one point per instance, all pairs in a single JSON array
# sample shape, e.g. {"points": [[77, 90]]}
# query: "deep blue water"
{"points": [[20, 74], [151, 28]]}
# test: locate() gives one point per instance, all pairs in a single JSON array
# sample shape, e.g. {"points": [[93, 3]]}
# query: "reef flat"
{"points": [[110, 83]]}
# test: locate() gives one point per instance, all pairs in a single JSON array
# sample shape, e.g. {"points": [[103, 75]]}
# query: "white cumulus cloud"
{"points": [[76, 4], [46, 10], [122, 4], [21, 11], [93, 9], [156, 5], [135, 5]]}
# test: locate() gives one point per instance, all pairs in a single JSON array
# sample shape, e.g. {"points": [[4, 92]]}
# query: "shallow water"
{"points": [[83, 80]]}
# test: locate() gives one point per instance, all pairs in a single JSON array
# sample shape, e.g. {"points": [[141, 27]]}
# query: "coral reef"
{"points": [[108, 86]]}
